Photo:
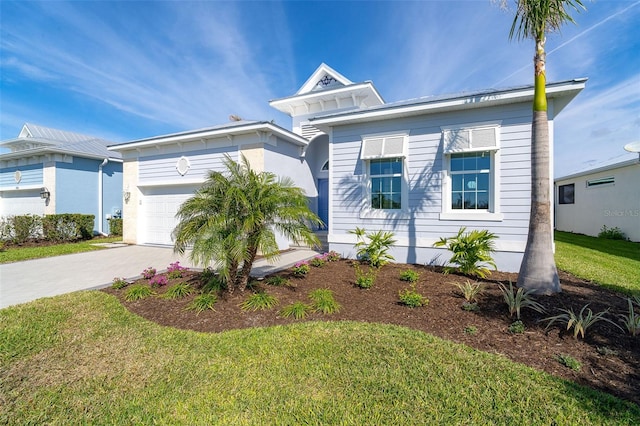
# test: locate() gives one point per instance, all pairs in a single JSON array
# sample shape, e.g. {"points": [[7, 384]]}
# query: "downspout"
{"points": [[100, 206]]}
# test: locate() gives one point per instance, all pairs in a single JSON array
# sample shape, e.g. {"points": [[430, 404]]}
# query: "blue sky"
{"points": [[128, 70]]}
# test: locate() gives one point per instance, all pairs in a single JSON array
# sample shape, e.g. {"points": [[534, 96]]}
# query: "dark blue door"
{"points": [[323, 201]]}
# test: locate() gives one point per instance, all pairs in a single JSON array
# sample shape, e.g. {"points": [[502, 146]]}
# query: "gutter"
{"points": [[100, 196]]}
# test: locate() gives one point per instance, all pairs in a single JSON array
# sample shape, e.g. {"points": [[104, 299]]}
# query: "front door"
{"points": [[323, 202]]}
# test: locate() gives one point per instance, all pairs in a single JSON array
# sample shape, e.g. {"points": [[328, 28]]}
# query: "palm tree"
{"points": [[235, 214], [534, 18]]}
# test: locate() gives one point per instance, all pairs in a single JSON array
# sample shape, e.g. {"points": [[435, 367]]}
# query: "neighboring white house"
{"points": [[420, 168], [605, 196], [50, 171]]}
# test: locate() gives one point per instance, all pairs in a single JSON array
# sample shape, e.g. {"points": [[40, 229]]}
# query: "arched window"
{"points": [[325, 166]]}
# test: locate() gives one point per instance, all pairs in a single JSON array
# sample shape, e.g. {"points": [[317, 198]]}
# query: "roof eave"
{"points": [[601, 169], [220, 132], [282, 104], [568, 89]]}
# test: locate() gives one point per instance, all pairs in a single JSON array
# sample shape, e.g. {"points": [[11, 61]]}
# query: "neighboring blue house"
{"points": [[51, 171], [420, 168]]}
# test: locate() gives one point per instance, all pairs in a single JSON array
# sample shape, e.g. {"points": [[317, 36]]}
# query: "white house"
{"points": [[605, 196], [50, 171], [420, 168]]}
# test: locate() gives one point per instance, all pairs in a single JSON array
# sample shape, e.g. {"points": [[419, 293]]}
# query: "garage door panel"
{"points": [[21, 202], [160, 206]]}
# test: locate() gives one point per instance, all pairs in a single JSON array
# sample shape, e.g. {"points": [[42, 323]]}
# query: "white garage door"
{"points": [[159, 208], [21, 202]]}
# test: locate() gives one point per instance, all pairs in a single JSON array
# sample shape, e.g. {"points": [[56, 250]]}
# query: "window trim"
{"points": [[493, 213], [561, 191]]}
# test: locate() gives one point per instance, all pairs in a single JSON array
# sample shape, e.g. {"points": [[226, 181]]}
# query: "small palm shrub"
{"points": [[365, 279], [568, 361], [119, 283], [259, 301], [631, 320], [471, 252], [298, 310], [148, 273], [411, 298], [278, 281], [470, 291], [580, 322], [516, 300], [323, 301], [517, 327], [137, 292], [178, 291], [409, 276], [203, 302], [375, 251]]}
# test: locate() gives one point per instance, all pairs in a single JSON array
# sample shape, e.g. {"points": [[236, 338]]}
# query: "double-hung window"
{"points": [[469, 189], [384, 160]]}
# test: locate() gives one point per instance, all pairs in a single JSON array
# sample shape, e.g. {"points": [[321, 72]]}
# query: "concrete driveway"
{"points": [[22, 282]]}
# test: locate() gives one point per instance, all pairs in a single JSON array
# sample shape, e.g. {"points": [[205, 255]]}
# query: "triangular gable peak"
{"points": [[325, 92], [323, 78]]}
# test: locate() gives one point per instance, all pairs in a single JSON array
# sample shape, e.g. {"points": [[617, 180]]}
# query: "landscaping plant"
{"points": [[373, 247], [323, 301], [409, 276], [631, 320], [158, 281], [517, 327], [301, 268], [175, 270], [518, 299], [471, 330], [119, 283], [365, 279], [412, 298], [470, 291], [203, 302], [137, 292], [178, 291], [298, 310], [259, 301], [580, 322], [278, 281], [568, 361], [612, 233], [471, 252], [148, 273]]}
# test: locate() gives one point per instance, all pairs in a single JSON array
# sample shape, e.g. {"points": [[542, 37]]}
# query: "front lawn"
{"points": [[610, 263], [18, 253], [83, 358]]}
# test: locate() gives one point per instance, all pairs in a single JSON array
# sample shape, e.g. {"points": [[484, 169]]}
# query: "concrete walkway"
{"points": [[22, 282]]}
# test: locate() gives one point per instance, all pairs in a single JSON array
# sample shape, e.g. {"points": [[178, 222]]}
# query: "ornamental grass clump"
{"points": [[259, 301], [137, 292], [323, 301], [203, 302], [631, 320], [297, 310], [178, 291], [470, 291]]}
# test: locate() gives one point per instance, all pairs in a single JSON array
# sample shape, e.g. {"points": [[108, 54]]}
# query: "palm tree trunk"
{"points": [[245, 272], [538, 269]]}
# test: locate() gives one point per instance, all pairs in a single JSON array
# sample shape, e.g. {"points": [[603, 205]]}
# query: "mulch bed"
{"points": [[610, 358]]}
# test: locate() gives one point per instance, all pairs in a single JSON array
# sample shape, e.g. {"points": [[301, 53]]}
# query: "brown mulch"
{"points": [[610, 358]]}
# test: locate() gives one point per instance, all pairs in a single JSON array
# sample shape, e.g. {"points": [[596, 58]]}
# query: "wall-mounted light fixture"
{"points": [[126, 194], [44, 193]]}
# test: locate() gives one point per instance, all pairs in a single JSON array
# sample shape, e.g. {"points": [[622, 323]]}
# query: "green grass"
{"points": [[610, 263], [82, 358], [16, 254]]}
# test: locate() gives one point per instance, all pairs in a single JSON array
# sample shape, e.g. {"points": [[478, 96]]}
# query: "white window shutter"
{"points": [[383, 147], [372, 148], [394, 147], [457, 140], [484, 138]]}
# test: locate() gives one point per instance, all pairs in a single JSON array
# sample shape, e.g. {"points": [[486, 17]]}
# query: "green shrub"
{"points": [[568, 361], [470, 291], [211, 282], [365, 279], [471, 330], [137, 292], [178, 291], [375, 251], [470, 306], [68, 226], [115, 226], [611, 233], [119, 283], [517, 327], [203, 302], [580, 322], [471, 252], [278, 281], [301, 268], [25, 227], [412, 298], [409, 275], [318, 261], [323, 301], [516, 300], [259, 301], [298, 310]]}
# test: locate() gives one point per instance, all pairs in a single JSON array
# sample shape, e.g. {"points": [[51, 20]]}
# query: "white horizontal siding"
{"points": [[31, 175], [162, 168]]}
